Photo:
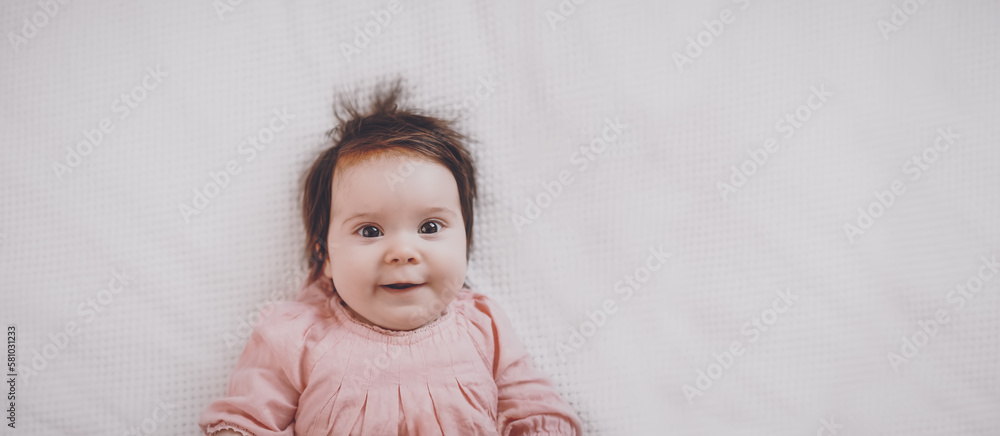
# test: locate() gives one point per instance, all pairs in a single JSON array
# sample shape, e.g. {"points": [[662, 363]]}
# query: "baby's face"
{"points": [[391, 225]]}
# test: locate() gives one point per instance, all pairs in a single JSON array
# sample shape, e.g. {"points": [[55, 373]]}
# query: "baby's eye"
{"points": [[430, 227], [366, 233]]}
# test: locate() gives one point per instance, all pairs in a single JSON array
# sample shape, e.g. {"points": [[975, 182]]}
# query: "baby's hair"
{"points": [[381, 129]]}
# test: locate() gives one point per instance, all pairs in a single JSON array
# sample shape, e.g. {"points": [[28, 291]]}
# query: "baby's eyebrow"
{"points": [[432, 209]]}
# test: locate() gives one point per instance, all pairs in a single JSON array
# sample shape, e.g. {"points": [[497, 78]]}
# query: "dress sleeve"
{"points": [[527, 403], [264, 388]]}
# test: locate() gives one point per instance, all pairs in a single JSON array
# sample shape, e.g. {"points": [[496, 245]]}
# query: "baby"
{"points": [[386, 338]]}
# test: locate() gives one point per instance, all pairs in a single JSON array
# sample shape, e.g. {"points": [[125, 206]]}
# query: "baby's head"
{"points": [[391, 203]]}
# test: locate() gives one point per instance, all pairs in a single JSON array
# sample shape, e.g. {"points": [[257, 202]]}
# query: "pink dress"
{"points": [[311, 368]]}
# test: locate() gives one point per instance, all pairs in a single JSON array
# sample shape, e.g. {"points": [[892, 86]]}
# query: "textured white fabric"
{"points": [[532, 88]]}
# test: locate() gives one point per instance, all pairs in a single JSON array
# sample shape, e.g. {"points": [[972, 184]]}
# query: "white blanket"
{"points": [[802, 196]]}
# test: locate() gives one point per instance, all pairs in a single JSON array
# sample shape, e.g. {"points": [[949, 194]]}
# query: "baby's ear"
{"points": [[318, 248], [327, 268]]}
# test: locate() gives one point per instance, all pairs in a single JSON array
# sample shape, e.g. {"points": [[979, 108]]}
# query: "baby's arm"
{"points": [[265, 386], [527, 402]]}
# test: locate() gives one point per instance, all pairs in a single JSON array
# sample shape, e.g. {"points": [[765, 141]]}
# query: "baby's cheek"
{"points": [[451, 272], [349, 270], [458, 258]]}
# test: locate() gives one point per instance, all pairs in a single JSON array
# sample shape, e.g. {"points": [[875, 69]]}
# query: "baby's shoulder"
{"points": [[490, 322], [472, 302], [289, 320], [479, 308]]}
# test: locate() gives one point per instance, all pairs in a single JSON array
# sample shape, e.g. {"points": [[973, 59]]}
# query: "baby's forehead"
{"points": [[379, 164], [362, 183]]}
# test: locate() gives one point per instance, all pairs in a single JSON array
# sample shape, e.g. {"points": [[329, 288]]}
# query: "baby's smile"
{"points": [[401, 286]]}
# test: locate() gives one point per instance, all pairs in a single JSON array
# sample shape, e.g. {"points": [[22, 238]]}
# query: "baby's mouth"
{"points": [[401, 286]]}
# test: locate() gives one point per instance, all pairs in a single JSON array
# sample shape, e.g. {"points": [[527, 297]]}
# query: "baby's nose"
{"points": [[402, 254], [396, 259]]}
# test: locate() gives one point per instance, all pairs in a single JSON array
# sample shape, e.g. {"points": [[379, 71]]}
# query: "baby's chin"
{"points": [[400, 311], [410, 317]]}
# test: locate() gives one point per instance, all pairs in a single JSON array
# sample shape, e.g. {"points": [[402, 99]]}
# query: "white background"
{"points": [[156, 354]]}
